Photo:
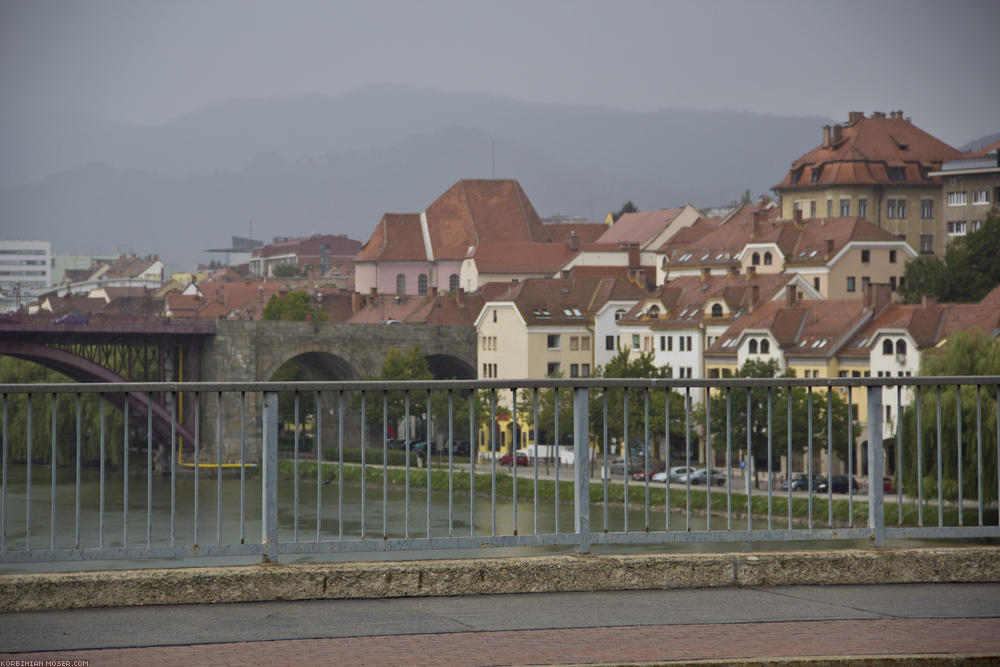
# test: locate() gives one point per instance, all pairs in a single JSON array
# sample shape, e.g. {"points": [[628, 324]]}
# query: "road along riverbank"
{"points": [[474, 576]]}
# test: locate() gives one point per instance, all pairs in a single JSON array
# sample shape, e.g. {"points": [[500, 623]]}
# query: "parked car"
{"points": [[887, 484], [701, 476], [675, 474], [616, 466], [508, 459], [800, 482], [655, 466], [841, 484], [72, 318]]}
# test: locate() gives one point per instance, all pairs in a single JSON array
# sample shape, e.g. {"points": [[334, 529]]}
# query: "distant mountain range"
{"points": [[333, 164]]}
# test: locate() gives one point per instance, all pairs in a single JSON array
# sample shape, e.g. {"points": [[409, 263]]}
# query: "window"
{"points": [[574, 370], [422, 284], [812, 208], [975, 225], [619, 314], [892, 283], [609, 342], [896, 173], [574, 343], [635, 341], [453, 282], [494, 316], [927, 243], [400, 285], [892, 256], [901, 347], [850, 283], [765, 346], [713, 372], [956, 199], [864, 281], [845, 207], [956, 228], [647, 343], [553, 341], [716, 310], [829, 208], [552, 368], [980, 197], [585, 370], [926, 209], [816, 284], [895, 208], [654, 311], [887, 346], [862, 207], [866, 256], [752, 347], [585, 343], [755, 259], [767, 258], [663, 343]]}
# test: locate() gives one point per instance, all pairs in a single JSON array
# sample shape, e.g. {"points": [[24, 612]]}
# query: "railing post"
{"points": [[581, 467], [269, 478], [876, 508]]}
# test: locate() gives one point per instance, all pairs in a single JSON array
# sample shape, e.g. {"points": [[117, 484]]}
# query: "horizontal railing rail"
{"points": [[283, 468]]}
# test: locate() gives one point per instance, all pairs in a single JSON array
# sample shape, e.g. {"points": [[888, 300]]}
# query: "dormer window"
{"points": [[755, 259], [767, 259], [654, 311], [716, 310], [896, 173]]}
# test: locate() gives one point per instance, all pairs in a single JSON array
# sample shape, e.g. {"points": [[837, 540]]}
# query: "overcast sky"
{"points": [[147, 61]]}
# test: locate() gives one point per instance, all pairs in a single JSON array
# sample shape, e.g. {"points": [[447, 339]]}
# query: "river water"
{"points": [[154, 518]]}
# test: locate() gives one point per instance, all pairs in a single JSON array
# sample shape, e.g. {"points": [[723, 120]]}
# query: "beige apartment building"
{"points": [[970, 189], [880, 168]]}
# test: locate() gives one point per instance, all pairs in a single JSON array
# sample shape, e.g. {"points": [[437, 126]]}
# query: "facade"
{"points": [[970, 189], [878, 168], [318, 253], [24, 266]]}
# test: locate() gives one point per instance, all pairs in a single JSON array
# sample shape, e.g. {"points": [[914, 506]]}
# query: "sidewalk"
{"points": [[864, 624]]}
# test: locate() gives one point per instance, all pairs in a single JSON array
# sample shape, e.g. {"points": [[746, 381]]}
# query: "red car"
{"points": [[887, 485], [508, 459]]}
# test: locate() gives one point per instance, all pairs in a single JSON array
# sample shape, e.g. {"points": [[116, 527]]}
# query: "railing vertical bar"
{"points": [[364, 462], [788, 475], [687, 452], [53, 464], [473, 453], [125, 475], [406, 464], [979, 452], [493, 462], [749, 462], [534, 421], [940, 447], [581, 459], [173, 469], [27, 450], [340, 465], [3, 501], [709, 460], [899, 456], [645, 449], [555, 449], [604, 453], [385, 465], [829, 457], [318, 444], [960, 460], [920, 459], [427, 460], [850, 458], [243, 467], [997, 420], [809, 454], [625, 449], [666, 438], [876, 496], [197, 460], [100, 502], [295, 469], [149, 469], [729, 458], [79, 450], [218, 468], [513, 448], [770, 458], [451, 464], [269, 477]]}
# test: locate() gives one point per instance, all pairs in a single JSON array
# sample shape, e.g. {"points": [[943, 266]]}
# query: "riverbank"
{"points": [[537, 574]]}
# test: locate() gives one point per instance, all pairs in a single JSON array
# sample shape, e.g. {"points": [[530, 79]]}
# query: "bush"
{"points": [[372, 456], [286, 442]]}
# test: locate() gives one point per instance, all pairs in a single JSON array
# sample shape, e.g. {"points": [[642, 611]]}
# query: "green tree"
{"points": [[627, 207], [968, 271], [747, 198], [285, 271], [967, 353], [294, 306]]}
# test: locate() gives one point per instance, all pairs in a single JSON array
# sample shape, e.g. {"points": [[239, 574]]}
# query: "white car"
{"points": [[676, 474]]}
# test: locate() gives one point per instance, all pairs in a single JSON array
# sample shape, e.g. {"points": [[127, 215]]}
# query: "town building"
{"points": [[970, 189], [878, 168], [319, 253], [24, 266]]}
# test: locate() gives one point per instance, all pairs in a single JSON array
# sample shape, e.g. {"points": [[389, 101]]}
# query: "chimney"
{"points": [[633, 256], [434, 292], [706, 273], [797, 217], [854, 116], [355, 302], [835, 134], [829, 248], [877, 296], [754, 297], [928, 300], [574, 241], [754, 223], [826, 136], [791, 295]]}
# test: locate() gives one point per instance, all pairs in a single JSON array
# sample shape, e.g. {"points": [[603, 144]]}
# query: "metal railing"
{"points": [[84, 483]]}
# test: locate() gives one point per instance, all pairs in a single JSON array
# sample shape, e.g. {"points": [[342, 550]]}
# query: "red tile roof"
{"points": [[864, 152], [565, 301], [544, 258], [639, 227], [397, 237]]}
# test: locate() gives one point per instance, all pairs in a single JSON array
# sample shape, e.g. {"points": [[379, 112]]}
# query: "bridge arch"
{"points": [[317, 365], [450, 367]]}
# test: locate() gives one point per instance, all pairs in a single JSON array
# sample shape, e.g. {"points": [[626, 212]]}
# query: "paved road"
{"points": [[545, 628]]}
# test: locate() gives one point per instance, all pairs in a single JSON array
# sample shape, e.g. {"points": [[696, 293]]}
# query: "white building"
{"points": [[24, 266]]}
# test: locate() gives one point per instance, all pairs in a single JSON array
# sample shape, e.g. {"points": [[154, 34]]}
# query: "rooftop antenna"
{"points": [[493, 157]]}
